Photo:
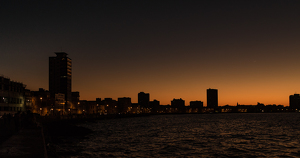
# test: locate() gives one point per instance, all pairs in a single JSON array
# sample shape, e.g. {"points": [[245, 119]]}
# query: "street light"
{"points": [[63, 110], [41, 98]]}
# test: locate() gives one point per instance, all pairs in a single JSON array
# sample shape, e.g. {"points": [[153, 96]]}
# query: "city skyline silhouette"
{"points": [[144, 78], [246, 50]]}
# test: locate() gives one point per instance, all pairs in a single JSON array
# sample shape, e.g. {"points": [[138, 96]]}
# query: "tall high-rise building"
{"points": [[295, 101], [143, 99], [212, 98], [60, 75]]}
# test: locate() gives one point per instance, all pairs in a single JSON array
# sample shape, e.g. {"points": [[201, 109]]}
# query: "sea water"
{"points": [[192, 135]]}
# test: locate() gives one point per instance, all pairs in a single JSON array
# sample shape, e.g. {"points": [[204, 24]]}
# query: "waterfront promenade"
{"points": [[21, 139], [21, 136], [24, 143]]}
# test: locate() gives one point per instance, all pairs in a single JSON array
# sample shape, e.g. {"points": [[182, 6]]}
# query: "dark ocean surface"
{"points": [[190, 135]]}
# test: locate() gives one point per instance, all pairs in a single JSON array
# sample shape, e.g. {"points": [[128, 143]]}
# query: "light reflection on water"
{"points": [[201, 135]]}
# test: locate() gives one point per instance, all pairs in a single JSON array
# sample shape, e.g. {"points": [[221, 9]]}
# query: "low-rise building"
{"points": [[12, 98]]}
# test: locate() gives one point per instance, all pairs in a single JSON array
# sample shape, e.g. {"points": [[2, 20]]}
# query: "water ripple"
{"points": [[205, 135]]}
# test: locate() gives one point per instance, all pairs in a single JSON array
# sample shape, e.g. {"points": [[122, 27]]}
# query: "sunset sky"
{"points": [[248, 50]]}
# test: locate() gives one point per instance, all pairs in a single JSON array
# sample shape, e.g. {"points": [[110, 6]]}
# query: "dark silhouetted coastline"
{"points": [[65, 130]]}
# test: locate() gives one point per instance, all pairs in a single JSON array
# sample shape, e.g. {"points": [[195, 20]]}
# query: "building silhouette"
{"points": [[75, 100], [178, 105], [12, 98], [196, 104], [124, 105], [41, 102], [110, 105], [143, 99], [87, 107], [155, 106], [295, 101], [60, 76], [212, 98]]}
